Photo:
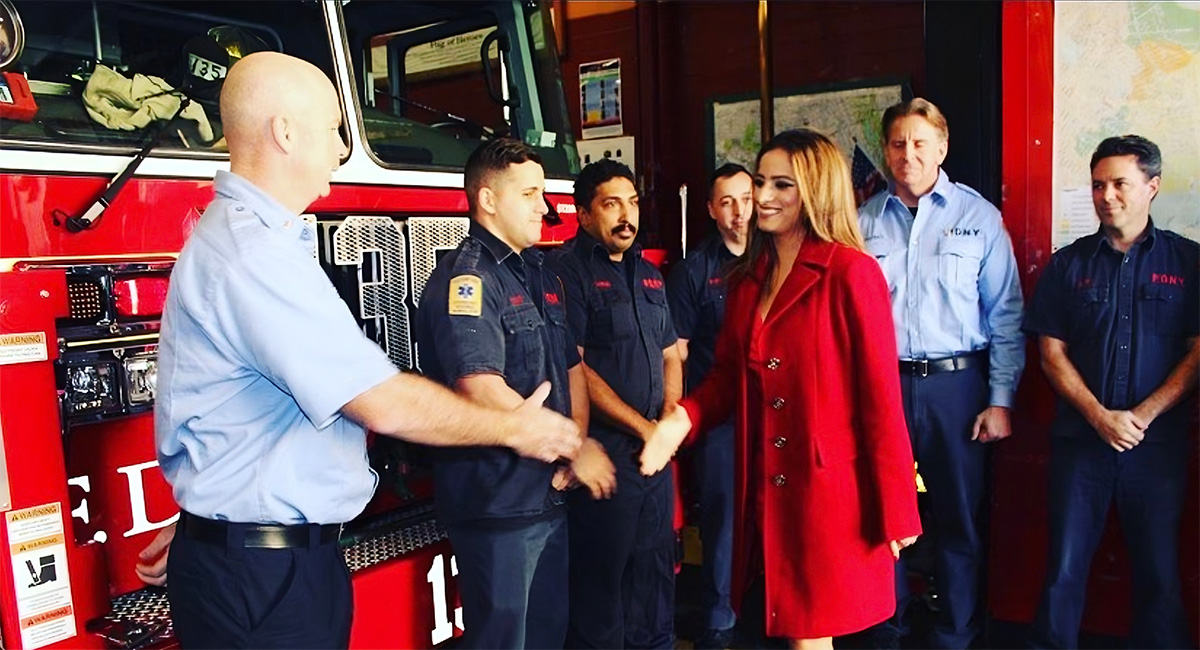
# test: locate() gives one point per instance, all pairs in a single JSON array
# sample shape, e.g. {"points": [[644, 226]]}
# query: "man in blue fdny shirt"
{"points": [[956, 302], [266, 384], [696, 291], [493, 326], [1118, 324]]}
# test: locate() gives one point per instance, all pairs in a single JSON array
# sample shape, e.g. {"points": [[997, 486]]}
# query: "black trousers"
{"points": [[227, 596], [940, 411], [512, 578], [1148, 484], [623, 561]]}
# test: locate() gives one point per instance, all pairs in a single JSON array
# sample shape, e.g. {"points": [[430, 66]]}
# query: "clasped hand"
{"points": [[669, 432]]}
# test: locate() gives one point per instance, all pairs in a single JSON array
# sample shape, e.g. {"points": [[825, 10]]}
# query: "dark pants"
{"points": [[940, 410], [1148, 484], [623, 561], [714, 477], [512, 579], [226, 596]]}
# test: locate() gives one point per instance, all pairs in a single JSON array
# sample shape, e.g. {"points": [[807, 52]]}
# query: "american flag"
{"points": [[865, 176]]}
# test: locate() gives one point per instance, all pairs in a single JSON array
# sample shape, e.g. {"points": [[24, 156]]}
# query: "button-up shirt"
{"points": [[618, 315], [258, 354], [1126, 319], [515, 327], [952, 278], [696, 293]]}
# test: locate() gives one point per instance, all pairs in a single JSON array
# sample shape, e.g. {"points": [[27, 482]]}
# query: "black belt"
{"points": [[226, 533], [926, 367]]}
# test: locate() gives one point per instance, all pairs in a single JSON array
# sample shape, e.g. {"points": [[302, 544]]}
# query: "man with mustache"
{"points": [[622, 548], [696, 290]]}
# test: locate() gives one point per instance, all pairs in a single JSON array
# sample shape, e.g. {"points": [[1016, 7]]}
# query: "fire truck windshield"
{"points": [[436, 77], [428, 80]]}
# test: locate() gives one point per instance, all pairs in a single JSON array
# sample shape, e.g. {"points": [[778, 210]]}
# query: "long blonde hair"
{"points": [[827, 209]]}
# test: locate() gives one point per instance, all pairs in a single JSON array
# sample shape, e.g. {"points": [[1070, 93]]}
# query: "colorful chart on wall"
{"points": [[849, 113], [1126, 67]]}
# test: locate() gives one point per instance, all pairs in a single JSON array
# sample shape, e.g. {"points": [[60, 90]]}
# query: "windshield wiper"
{"points": [[93, 213]]}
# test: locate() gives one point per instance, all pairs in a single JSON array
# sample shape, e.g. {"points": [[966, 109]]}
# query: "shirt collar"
{"points": [[716, 244], [942, 190], [499, 250], [1147, 239], [586, 246], [270, 211]]}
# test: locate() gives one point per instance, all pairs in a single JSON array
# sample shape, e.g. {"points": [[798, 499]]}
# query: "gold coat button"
{"points": [[780, 441], [773, 363], [779, 480], [778, 403]]}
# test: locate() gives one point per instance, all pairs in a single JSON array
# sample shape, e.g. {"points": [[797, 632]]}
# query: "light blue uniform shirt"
{"points": [[258, 354], [952, 278]]}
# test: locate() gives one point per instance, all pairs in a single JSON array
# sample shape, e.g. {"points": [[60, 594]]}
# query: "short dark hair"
{"points": [[725, 171], [491, 157], [595, 175], [1149, 158]]}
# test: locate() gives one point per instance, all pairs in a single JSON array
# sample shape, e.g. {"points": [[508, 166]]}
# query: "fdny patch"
{"points": [[466, 296]]}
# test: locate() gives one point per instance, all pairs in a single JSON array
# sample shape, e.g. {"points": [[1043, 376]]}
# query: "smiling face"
{"points": [[915, 150], [512, 204], [776, 194], [613, 215], [1122, 193]]}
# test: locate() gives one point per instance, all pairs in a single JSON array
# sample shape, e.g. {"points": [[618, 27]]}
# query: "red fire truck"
{"points": [[101, 180]]}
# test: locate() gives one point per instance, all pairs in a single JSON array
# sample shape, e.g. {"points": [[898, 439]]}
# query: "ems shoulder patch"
{"points": [[466, 296]]}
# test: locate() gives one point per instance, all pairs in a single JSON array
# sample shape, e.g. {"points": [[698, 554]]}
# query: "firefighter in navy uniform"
{"points": [[696, 290], [1118, 323], [623, 548], [492, 325]]}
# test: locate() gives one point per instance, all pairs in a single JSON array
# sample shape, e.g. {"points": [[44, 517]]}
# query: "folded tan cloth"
{"points": [[126, 104]]}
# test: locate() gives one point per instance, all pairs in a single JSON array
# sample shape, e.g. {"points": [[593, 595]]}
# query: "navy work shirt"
{"points": [[1126, 320], [488, 310], [618, 314], [696, 292]]}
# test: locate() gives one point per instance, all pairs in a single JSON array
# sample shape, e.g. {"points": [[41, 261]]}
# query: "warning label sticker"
{"points": [[41, 582], [23, 348]]}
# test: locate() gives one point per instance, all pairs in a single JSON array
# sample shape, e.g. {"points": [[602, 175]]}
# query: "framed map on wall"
{"points": [[1149, 85], [849, 113]]}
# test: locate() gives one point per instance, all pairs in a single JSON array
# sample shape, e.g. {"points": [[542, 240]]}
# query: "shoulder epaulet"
{"points": [[469, 254], [969, 190]]}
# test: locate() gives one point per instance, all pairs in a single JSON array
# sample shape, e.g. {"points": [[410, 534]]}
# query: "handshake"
{"points": [[669, 432]]}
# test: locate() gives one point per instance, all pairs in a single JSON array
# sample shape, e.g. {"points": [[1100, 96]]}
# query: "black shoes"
{"points": [[715, 639]]}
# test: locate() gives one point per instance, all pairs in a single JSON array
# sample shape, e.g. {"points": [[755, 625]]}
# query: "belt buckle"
{"points": [[922, 367]]}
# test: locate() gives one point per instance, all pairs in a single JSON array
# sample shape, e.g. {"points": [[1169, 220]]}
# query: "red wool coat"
{"points": [[834, 471]]}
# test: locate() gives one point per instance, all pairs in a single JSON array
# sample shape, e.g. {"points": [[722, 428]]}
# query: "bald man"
{"points": [[266, 384]]}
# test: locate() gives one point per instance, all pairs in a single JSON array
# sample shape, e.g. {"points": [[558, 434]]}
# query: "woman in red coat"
{"points": [[825, 491]]}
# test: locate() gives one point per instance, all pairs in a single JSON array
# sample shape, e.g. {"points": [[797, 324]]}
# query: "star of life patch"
{"points": [[466, 296]]}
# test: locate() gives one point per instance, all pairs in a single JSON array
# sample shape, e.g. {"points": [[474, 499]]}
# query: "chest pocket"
{"points": [[1162, 305], [712, 305], [556, 318], [655, 312], [522, 339], [1088, 307], [959, 261], [890, 255], [610, 318]]}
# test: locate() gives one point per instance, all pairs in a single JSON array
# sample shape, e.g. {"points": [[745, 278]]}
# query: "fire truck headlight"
{"points": [[141, 373], [91, 386]]}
